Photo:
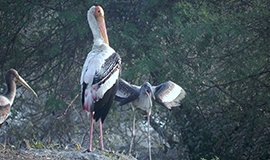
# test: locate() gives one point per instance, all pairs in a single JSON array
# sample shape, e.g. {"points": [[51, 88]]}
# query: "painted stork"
{"points": [[167, 94], [7, 99], [100, 74]]}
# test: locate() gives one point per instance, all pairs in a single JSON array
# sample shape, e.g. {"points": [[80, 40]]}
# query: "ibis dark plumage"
{"points": [[168, 94], [7, 99], [100, 74]]}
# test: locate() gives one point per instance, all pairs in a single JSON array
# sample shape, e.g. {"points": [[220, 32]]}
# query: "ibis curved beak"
{"points": [[23, 83], [99, 15]]}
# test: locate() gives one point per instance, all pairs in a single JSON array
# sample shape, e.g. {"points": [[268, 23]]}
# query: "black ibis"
{"points": [[7, 99], [168, 94], [100, 74]]}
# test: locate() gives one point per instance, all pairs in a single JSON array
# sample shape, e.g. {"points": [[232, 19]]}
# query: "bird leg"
{"points": [[149, 138], [101, 135], [133, 130], [91, 132]]}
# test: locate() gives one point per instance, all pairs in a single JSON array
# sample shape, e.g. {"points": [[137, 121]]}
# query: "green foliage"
{"points": [[216, 50], [218, 53]]}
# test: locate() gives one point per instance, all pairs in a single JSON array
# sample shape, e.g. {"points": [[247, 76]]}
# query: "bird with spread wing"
{"points": [[168, 94]]}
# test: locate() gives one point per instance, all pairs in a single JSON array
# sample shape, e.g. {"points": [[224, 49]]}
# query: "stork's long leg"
{"points": [[91, 132], [133, 130], [101, 135], [148, 137]]}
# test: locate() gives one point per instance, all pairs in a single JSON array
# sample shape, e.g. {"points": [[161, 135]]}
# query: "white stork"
{"points": [[168, 94], [100, 74]]}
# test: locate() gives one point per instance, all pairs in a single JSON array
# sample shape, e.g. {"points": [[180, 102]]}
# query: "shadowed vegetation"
{"points": [[217, 51]]}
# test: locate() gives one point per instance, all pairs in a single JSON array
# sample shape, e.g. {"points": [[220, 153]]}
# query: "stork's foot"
{"points": [[87, 151]]}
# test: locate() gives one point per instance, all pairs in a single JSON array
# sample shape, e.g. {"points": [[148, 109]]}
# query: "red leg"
{"points": [[91, 132]]}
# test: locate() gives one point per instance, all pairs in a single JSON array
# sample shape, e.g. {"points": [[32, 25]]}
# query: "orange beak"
{"points": [[99, 15]]}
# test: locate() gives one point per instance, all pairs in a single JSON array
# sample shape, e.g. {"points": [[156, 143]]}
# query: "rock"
{"points": [[46, 154]]}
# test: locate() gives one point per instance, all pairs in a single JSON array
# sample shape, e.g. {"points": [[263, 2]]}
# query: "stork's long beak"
{"points": [[99, 14], [149, 91], [153, 95], [23, 83]]}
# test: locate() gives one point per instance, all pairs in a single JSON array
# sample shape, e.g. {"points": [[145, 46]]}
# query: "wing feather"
{"points": [[126, 92], [169, 94], [100, 72]]}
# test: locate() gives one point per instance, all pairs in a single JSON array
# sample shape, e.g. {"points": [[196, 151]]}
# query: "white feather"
{"points": [[108, 84], [173, 94], [4, 102], [93, 63], [95, 59]]}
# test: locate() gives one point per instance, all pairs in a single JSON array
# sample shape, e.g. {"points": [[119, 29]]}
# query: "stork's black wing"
{"points": [[103, 77], [111, 65]]}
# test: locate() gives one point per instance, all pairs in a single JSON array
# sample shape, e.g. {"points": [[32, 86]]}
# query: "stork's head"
{"points": [[13, 75], [147, 89], [95, 16]]}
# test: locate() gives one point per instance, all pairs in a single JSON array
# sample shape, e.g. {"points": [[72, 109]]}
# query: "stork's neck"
{"points": [[98, 41], [11, 91], [96, 30]]}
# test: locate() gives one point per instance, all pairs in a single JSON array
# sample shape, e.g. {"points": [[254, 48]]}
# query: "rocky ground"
{"points": [[46, 154]]}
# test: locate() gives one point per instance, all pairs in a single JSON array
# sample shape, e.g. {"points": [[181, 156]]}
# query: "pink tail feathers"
{"points": [[90, 97]]}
